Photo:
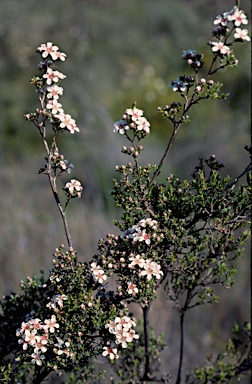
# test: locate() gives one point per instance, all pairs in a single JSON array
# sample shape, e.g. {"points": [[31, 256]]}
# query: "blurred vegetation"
{"points": [[118, 52]]}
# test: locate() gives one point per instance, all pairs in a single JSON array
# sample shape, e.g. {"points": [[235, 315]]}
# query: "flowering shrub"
{"points": [[182, 236]]}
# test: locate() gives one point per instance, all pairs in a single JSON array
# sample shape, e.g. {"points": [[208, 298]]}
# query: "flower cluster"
{"points": [[121, 327], [138, 231], [35, 333], [98, 273], [52, 50], [133, 119], [237, 18], [73, 188], [49, 84], [56, 301], [58, 161], [149, 268]]}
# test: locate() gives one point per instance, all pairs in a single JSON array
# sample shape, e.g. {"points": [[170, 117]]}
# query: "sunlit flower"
{"points": [[73, 186], [241, 34], [52, 50], [47, 49], [141, 236], [219, 46], [66, 121], [54, 106], [143, 124], [53, 76], [98, 273], [136, 260], [135, 113], [238, 17], [132, 288], [54, 92], [51, 324], [110, 352]]}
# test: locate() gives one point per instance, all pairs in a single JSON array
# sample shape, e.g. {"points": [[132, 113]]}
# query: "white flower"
{"points": [[219, 46], [66, 121], [54, 106], [238, 17], [74, 186], [132, 288], [135, 113], [143, 124], [51, 324], [53, 76], [54, 92], [241, 34], [111, 352]]}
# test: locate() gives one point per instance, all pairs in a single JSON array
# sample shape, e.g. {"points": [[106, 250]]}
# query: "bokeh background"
{"points": [[118, 51]]}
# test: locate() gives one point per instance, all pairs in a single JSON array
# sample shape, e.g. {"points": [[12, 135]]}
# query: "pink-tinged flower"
{"points": [[241, 34], [37, 358], [149, 221], [66, 121], [110, 352], [143, 124], [47, 49], [147, 271], [36, 324], [121, 126], [73, 186], [131, 335], [51, 324], [135, 113], [58, 55], [52, 50], [54, 106], [151, 268], [53, 76], [136, 260], [54, 92], [132, 288], [156, 270], [219, 46], [40, 345], [98, 273], [141, 236], [30, 337], [238, 17], [111, 326]]}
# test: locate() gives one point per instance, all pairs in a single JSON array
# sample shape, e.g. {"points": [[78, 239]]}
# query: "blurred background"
{"points": [[117, 52]]}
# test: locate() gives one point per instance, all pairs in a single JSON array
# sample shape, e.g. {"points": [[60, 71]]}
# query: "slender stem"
{"points": [[56, 196], [146, 375], [181, 354], [172, 138]]}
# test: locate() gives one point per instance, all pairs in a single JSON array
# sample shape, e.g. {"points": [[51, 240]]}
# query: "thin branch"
{"points": [[146, 375]]}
